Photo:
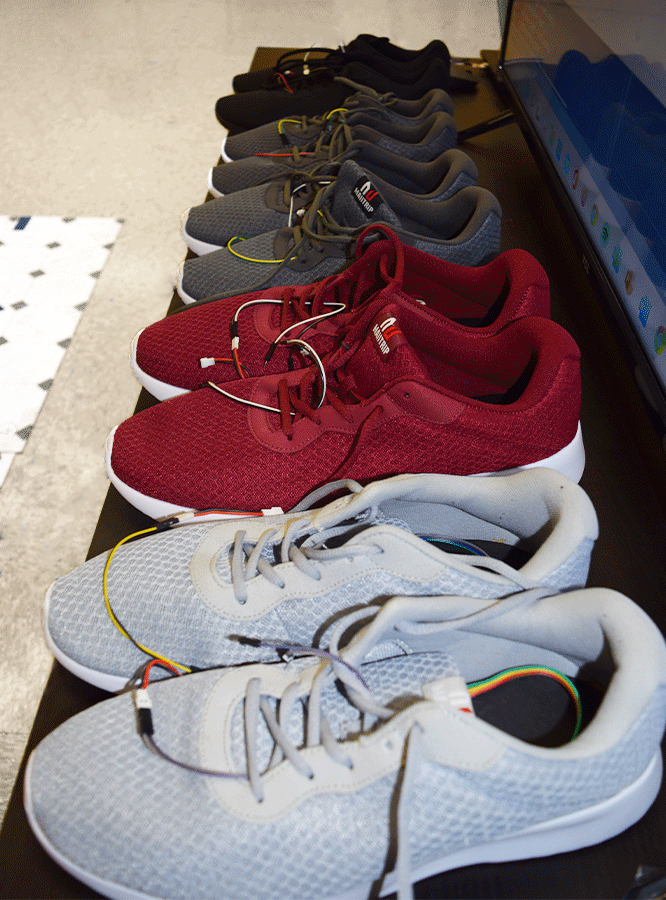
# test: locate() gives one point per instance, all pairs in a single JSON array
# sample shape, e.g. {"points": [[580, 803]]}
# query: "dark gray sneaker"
{"points": [[465, 229], [305, 131], [423, 141], [283, 202]]}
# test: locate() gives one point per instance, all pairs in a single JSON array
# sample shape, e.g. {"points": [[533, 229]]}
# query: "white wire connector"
{"points": [[206, 361], [143, 710]]}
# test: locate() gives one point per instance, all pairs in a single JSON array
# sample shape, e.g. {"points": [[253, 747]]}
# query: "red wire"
{"points": [[284, 80], [157, 662]]}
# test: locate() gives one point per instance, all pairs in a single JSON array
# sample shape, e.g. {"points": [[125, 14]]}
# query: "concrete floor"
{"points": [[107, 109]]}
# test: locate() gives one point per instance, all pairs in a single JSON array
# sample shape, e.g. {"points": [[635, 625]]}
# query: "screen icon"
{"points": [[644, 308], [594, 215], [616, 259], [574, 180], [558, 149], [605, 234], [660, 339]]}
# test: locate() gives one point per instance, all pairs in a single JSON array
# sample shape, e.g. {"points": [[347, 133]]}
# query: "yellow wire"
{"points": [[293, 122], [250, 258], [111, 613], [298, 121]]}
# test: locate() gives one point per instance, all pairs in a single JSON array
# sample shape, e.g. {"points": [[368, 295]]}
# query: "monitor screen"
{"points": [[589, 79]]}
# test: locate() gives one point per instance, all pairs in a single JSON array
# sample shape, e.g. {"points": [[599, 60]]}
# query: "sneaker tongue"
{"points": [[395, 679], [357, 201], [384, 355]]}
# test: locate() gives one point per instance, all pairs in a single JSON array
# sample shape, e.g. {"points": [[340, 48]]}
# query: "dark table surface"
{"points": [[625, 477]]}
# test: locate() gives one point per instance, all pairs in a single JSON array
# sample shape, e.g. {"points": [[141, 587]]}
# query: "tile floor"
{"points": [[109, 115]]}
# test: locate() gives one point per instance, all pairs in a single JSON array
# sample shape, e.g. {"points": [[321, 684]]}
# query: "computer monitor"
{"points": [[588, 85]]}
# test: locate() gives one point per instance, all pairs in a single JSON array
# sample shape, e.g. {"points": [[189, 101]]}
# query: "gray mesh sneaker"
{"points": [[465, 229], [421, 142], [308, 133], [283, 202], [183, 593], [382, 764]]}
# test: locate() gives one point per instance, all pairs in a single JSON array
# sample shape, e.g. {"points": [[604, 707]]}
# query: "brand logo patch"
{"points": [[383, 332], [367, 196]]}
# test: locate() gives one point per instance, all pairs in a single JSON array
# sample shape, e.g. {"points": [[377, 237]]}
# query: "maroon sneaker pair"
{"points": [[417, 365]]}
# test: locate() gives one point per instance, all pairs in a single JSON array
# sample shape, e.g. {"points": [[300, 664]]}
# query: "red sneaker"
{"points": [[405, 391], [194, 346]]}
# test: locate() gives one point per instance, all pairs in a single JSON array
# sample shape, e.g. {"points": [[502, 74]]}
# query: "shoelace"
{"points": [[365, 98], [247, 560], [316, 228], [303, 400], [331, 143], [320, 300], [318, 731], [302, 190], [336, 388]]}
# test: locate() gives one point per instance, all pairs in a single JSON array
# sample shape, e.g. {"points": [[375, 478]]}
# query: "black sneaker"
{"points": [[377, 52], [321, 91]]}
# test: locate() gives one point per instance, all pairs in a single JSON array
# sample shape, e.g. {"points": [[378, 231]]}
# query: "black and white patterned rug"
{"points": [[48, 269]]}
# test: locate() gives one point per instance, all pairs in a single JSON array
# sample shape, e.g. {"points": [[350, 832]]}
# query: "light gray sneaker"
{"points": [[373, 768], [465, 229], [283, 202], [380, 111], [195, 594]]}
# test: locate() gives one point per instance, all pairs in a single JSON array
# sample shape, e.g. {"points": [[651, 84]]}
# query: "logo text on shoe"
{"points": [[367, 196], [383, 332]]}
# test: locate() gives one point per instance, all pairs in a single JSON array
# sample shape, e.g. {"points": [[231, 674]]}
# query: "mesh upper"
{"points": [[130, 819], [250, 171], [171, 348], [200, 450], [243, 213], [223, 272]]}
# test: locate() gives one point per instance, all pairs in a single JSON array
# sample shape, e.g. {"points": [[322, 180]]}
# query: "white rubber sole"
{"points": [[159, 389], [179, 285], [571, 832], [211, 187], [110, 683], [201, 248], [223, 151], [570, 460]]}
